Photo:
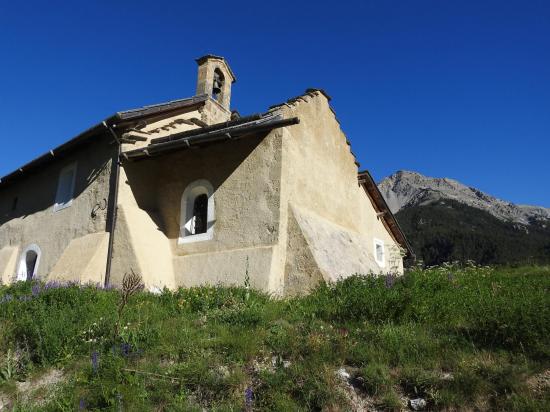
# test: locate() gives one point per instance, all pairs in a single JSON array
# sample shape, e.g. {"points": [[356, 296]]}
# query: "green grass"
{"points": [[461, 338]]}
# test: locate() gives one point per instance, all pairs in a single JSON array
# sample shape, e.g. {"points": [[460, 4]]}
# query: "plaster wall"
{"points": [[88, 254], [34, 220], [301, 271], [8, 263], [139, 244], [245, 175], [319, 181], [229, 268]]}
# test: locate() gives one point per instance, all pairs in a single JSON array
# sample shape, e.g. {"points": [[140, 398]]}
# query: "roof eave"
{"points": [[127, 117], [368, 183], [233, 131], [54, 153]]}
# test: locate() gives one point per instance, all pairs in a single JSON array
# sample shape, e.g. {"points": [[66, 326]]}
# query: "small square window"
{"points": [[65, 187], [379, 253]]}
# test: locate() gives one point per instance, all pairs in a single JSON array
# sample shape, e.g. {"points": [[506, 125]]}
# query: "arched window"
{"points": [[197, 212], [28, 263]]}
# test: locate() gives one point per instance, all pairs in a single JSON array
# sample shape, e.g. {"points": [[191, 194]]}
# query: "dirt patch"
{"points": [[5, 403], [39, 389], [540, 383]]}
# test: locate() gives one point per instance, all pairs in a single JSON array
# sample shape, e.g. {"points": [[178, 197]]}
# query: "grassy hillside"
{"points": [[447, 231], [460, 339]]}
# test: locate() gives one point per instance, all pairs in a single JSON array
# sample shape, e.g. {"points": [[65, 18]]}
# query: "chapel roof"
{"points": [[120, 118]]}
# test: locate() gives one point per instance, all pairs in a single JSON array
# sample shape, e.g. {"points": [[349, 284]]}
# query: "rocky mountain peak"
{"points": [[406, 188]]}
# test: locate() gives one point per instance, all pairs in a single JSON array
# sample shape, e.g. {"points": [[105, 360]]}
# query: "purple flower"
{"points": [[248, 396], [53, 284], [95, 361], [389, 281], [82, 405], [6, 298], [125, 349], [36, 289]]}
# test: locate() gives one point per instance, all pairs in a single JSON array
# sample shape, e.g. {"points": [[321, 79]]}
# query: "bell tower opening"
{"points": [[218, 86]]}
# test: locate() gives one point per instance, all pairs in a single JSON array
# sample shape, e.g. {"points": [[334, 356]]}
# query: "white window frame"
{"points": [[378, 242], [22, 268], [60, 206], [191, 192]]}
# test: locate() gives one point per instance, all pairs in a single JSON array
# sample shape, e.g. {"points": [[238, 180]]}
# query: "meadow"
{"points": [[457, 338]]}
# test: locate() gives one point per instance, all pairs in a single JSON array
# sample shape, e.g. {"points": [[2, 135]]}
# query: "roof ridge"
{"points": [[193, 99], [308, 92]]}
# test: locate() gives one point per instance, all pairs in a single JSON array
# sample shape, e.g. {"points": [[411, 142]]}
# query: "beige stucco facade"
{"points": [[29, 219], [285, 208]]}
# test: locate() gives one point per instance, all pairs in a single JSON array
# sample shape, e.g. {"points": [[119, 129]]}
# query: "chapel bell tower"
{"points": [[215, 79]]}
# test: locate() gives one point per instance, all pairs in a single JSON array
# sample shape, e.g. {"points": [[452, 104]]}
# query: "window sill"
{"points": [[57, 207], [195, 238]]}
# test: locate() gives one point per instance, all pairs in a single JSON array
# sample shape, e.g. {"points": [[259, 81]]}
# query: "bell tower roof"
{"points": [[201, 60]]}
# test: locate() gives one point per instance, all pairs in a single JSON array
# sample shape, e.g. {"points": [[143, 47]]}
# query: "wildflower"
{"points": [[82, 405], [6, 299], [248, 396], [36, 289], [125, 349], [95, 361], [54, 284], [389, 281]]}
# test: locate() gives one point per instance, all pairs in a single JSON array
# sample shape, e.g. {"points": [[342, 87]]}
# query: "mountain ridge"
{"points": [[447, 221], [405, 189]]}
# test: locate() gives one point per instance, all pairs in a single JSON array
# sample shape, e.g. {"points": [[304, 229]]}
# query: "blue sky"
{"points": [[458, 89]]}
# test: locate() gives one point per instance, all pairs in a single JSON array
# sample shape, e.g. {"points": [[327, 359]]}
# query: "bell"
{"points": [[217, 87]]}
